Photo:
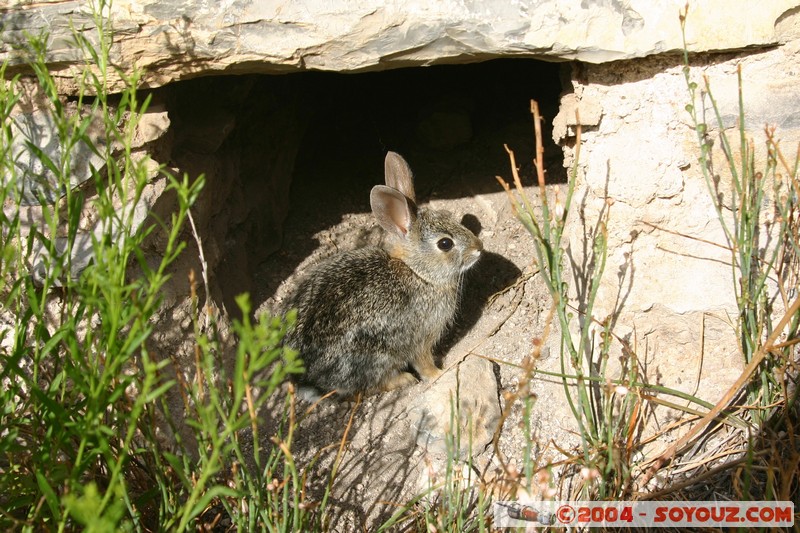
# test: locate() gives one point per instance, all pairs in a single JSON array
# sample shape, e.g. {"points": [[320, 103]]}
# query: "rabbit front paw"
{"points": [[398, 380], [426, 368]]}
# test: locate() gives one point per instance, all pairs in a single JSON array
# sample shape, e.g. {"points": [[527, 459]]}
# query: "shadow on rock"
{"points": [[491, 274], [371, 469]]}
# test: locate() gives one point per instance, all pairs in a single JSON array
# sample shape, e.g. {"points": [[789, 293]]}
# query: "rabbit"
{"points": [[365, 316]]}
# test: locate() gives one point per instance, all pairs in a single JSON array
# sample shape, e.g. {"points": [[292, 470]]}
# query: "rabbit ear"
{"points": [[398, 175], [393, 210]]}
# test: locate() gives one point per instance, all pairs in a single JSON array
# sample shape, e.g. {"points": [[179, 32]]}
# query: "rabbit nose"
{"points": [[473, 255], [475, 247]]}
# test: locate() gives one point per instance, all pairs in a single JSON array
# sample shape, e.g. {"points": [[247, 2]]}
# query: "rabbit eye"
{"points": [[445, 244]]}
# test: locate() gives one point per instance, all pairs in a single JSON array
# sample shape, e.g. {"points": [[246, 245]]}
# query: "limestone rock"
{"points": [[667, 279], [34, 140], [82, 251], [176, 39], [36, 145], [151, 126], [470, 387], [589, 112]]}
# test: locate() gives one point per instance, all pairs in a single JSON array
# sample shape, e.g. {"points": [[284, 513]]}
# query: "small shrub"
{"points": [[83, 385]]}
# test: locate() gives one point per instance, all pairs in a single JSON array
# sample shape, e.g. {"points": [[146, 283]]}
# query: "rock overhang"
{"points": [[170, 40]]}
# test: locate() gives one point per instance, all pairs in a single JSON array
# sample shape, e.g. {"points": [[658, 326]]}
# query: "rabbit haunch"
{"points": [[365, 316]]}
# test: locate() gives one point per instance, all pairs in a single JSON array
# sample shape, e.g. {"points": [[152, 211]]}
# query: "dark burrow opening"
{"points": [[288, 156]]}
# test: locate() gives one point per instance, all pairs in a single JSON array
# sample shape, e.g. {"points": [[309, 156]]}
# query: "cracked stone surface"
{"points": [[465, 395]]}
